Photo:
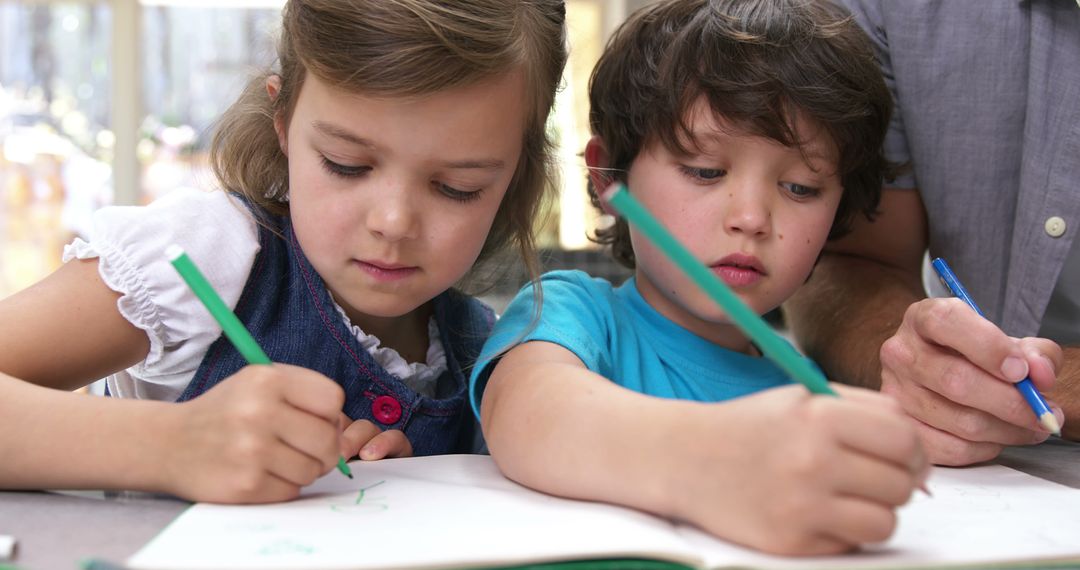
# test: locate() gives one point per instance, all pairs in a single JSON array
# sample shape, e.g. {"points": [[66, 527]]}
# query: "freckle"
{"points": [[781, 236], [731, 195], [807, 242]]}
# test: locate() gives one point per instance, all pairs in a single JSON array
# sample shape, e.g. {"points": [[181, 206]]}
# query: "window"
{"points": [[113, 101]]}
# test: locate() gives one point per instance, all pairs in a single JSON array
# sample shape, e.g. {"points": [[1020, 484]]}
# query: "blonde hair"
{"points": [[404, 48]]}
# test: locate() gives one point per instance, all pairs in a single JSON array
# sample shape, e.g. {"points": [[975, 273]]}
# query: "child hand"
{"points": [[365, 439], [795, 474], [259, 436]]}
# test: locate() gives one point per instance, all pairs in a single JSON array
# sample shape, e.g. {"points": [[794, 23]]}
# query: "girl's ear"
{"points": [[596, 159], [273, 87]]}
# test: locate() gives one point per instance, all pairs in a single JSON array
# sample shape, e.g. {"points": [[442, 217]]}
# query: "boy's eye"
{"points": [[458, 195], [704, 174], [800, 190], [343, 170]]}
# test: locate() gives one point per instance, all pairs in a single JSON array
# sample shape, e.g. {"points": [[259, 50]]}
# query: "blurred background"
{"points": [[113, 102]]}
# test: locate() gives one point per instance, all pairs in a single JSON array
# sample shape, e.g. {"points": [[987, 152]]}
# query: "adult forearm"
{"points": [[1066, 393], [847, 309]]}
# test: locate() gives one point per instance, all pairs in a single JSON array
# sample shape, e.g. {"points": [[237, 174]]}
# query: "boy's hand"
{"points": [[258, 436], [365, 439], [801, 474]]}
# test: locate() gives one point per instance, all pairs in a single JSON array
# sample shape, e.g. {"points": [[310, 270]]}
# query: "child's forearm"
{"points": [[52, 439], [561, 429]]}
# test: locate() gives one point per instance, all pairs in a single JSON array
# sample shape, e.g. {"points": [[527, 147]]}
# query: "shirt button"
{"points": [[1055, 226], [386, 409]]}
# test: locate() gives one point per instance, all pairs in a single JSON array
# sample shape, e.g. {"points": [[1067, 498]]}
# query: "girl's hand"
{"points": [[258, 436], [795, 474], [365, 439]]}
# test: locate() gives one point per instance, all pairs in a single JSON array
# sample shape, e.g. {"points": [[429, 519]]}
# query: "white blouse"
{"points": [[221, 236]]}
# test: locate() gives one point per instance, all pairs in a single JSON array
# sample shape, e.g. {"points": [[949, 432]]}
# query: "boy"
{"points": [[753, 131]]}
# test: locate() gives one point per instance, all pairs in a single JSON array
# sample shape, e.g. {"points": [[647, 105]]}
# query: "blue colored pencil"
{"points": [[1027, 388]]}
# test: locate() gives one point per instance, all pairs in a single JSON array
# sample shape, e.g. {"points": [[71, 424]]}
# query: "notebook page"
{"points": [[976, 516], [427, 512]]}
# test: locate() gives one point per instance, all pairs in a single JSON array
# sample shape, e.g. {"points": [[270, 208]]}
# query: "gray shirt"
{"points": [[988, 114]]}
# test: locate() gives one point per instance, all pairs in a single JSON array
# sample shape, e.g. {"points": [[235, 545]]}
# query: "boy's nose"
{"points": [[748, 212]]}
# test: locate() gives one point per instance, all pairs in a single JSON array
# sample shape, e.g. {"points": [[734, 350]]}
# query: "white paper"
{"points": [[975, 516], [455, 511], [7, 546], [426, 512]]}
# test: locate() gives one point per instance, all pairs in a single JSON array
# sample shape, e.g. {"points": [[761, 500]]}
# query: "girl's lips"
{"points": [[386, 271]]}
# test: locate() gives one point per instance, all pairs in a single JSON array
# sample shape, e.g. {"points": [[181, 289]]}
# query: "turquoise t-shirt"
{"points": [[618, 335]]}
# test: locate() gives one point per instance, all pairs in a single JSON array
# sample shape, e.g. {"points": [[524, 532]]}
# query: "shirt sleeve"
{"points": [[572, 315], [221, 237], [870, 17]]}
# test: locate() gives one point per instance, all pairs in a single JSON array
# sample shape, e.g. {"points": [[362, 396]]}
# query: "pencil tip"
{"points": [[1051, 424]]}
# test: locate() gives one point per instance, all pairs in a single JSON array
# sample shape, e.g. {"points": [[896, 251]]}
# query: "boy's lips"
{"points": [[739, 270]]}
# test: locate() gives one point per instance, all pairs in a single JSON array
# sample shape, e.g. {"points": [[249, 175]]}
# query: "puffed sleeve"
{"points": [[221, 237]]}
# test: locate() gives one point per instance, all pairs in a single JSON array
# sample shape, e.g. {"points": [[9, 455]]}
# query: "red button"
{"points": [[386, 409]]}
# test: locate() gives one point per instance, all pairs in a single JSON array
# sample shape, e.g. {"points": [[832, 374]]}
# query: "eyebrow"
{"points": [[342, 134]]}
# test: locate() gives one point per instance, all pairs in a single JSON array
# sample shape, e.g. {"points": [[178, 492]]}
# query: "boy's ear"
{"points": [[273, 87], [596, 159]]}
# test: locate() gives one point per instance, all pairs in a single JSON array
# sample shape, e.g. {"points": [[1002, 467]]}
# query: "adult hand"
{"points": [[953, 371], [258, 436]]}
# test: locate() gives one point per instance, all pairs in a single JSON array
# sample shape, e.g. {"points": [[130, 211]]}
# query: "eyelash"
{"points": [[810, 191], [343, 171], [696, 174]]}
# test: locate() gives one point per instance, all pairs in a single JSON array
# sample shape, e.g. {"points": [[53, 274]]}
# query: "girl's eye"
{"points": [[458, 195], [704, 174], [800, 190], [342, 170]]}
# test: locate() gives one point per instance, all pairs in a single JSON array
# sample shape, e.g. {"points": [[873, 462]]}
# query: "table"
{"points": [[56, 531]]}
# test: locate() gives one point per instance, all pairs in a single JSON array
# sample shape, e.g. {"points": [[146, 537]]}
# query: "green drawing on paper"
{"points": [[363, 490], [286, 546], [364, 501]]}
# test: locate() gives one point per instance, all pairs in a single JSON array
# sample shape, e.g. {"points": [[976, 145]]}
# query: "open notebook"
{"points": [[458, 511]]}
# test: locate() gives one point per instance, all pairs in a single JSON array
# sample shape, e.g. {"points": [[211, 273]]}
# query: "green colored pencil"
{"points": [[749, 322], [230, 324]]}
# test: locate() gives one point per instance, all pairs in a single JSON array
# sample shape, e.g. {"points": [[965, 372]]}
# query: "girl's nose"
{"points": [[392, 215]]}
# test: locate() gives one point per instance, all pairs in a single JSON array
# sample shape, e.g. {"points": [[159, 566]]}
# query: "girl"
{"points": [[398, 144]]}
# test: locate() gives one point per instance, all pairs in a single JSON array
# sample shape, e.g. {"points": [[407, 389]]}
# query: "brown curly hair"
{"points": [[758, 63]]}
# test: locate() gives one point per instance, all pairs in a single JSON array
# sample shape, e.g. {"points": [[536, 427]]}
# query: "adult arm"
{"points": [[1066, 392], [858, 293]]}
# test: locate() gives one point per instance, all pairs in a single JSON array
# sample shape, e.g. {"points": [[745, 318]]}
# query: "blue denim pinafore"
{"points": [[289, 311]]}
